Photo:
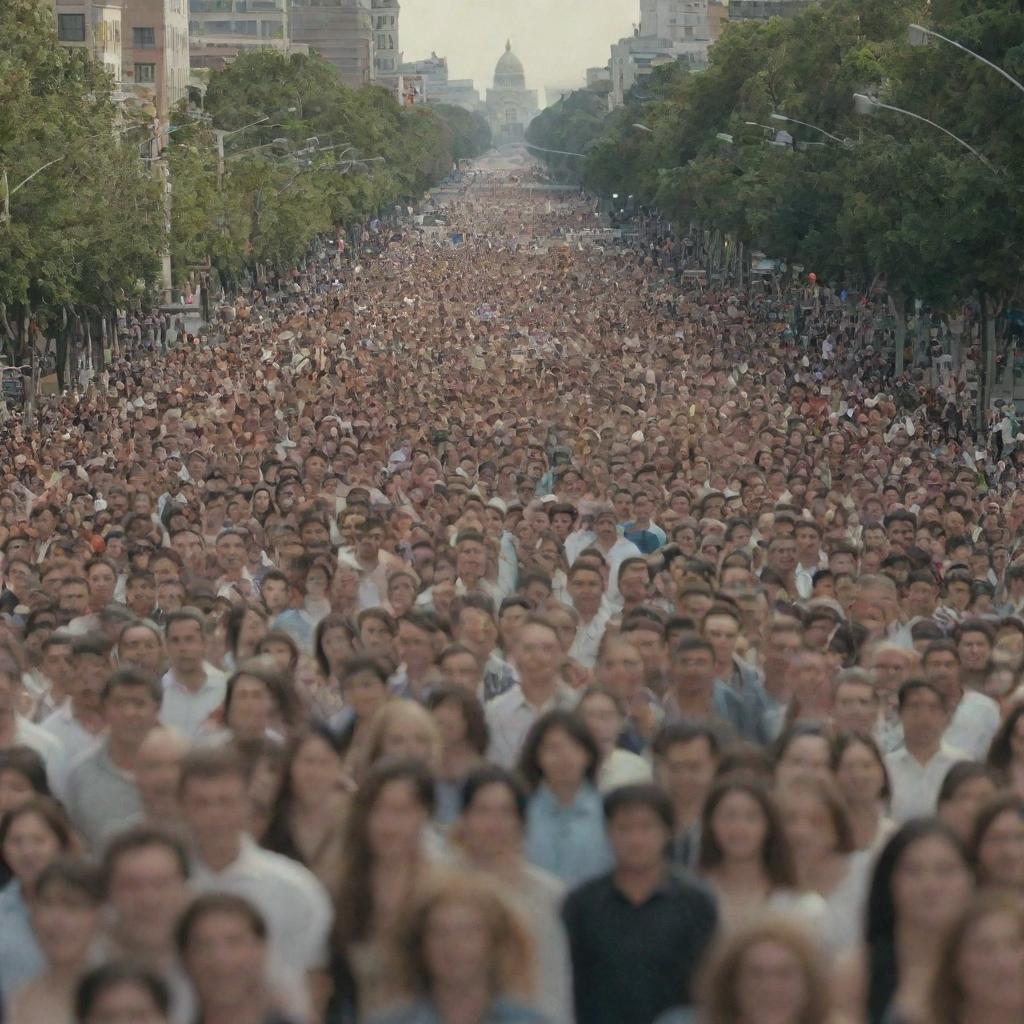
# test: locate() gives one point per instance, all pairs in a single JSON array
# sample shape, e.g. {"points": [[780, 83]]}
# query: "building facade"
{"points": [[341, 31], [155, 52], [510, 105], [439, 88], [762, 10], [95, 26], [387, 54]]}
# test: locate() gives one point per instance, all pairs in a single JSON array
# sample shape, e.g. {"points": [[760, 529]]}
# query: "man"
{"points": [[18, 731], [193, 689], [140, 593], [537, 658], [586, 589], [471, 568], [809, 556], [855, 702], [781, 559], [102, 794], [417, 644], [78, 722], [634, 582], [974, 717], [141, 644], [235, 582], [637, 934], [721, 628], [158, 775], [643, 531], [916, 771], [371, 565], [694, 694], [473, 625], [214, 796], [685, 761], [647, 634], [975, 640], [46, 681], [73, 600], [101, 577], [605, 536]]}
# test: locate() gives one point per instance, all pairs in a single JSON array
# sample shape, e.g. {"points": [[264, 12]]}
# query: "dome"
{"points": [[509, 72]]}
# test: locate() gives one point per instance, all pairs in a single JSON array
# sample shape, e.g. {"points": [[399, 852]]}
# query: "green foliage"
{"points": [[471, 134]]}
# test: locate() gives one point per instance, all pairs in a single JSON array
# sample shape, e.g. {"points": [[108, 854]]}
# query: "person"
{"points": [[860, 772], [120, 990], [403, 728], [102, 794], [996, 846], [65, 913], [920, 884], [966, 787], [193, 688], [364, 686], [917, 770], [18, 731], [1006, 752], [694, 694], [565, 832], [308, 818], [769, 972], [385, 866], [158, 775], [22, 777], [463, 728], [489, 835], [606, 719], [259, 704], [244, 626], [215, 803], [803, 748], [463, 954], [978, 973], [223, 942], [636, 932], [686, 759], [78, 722], [32, 837]]}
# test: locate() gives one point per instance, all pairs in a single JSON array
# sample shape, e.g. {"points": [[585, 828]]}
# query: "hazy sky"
{"points": [[557, 40]]}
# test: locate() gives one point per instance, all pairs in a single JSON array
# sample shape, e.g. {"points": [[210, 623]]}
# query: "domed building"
{"points": [[510, 105]]}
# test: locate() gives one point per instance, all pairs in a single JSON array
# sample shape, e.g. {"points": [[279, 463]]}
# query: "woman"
{"points": [[549, 558], [31, 837], [282, 649], [966, 787], [308, 816], [464, 955], [403, 585], [744, 855], [460, 720], [820, 834], [802, 749], [565, 821], [863, 781], [490, 834], [620, 671], [384, 867], [122, 991], [980, 971], [1006, 752], [244, 626], [258, 705], [377, 631], [403, 729], [996, 847], [604, 717], [67, 900], [921, 882], [22, 777], [334, 642], [769, 972]]}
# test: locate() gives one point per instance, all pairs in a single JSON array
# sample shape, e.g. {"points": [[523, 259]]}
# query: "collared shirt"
{"points": [[20, 957], [631, 961], [101, 799], [569, 841], [726, 714], [187, 710], [915, 786], [499, 677], [74, 736], [48, 747], [622, 549], [970, 730], [587, 641], [295, 904], [510, 716], [747, 683]]}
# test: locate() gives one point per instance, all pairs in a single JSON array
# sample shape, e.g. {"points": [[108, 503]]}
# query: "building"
{"points": [[510, 105], [685, 22], [219, 30], [718, 15], [632, 61], [387, 56], [155, 52], [439, 88], [595, 75], [341, 31], [762, 10], [95, 26]]}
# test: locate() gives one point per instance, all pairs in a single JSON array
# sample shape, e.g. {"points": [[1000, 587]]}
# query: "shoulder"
{"points": [[288, 873]]}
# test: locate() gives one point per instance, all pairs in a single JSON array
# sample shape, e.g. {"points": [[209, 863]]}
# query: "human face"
{"points": [[562, 761], [130, 712], [1001, 851], [930, 885], [462, 669], [216, 810], [375, 638], [396, 822], [686, 771], [141, 647], [414, 646], [860, 776], [739, 827], [316, 771], [621, 669], [102, 581], [365, 692], [470, 560], [990, 968], [275, 595], [186, 645], [65, 922], [924, 718], [537, 653], [147, 892], [855, 708], [74, 598], [805, 755], [975, 650], [140, 595], [692, 672], [961, 810], [603, 720], [15, 790], [490, 826], [808, 826], [251, 709], [30, 845], [55, 663], [770, 985], [224, 960], [401, 594], [125, 1002], [722, 632], [638, 838], [457, 944], [337, 645], [408, 737], [586, 589]]}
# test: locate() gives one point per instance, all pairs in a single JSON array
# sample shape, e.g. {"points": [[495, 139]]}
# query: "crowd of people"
{"points": [[510, 632]]}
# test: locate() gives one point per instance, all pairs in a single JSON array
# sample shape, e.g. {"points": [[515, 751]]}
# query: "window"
{"points": [[71, 28], [144, 38], [145, 73]]}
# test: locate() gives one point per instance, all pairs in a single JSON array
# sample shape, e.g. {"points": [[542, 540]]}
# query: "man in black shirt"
{"points": [[637, 935]]}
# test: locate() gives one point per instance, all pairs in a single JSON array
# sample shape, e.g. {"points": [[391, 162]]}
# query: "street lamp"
{"points": [[917, 35], [868, 105], [724, 137], [813, 127], [643, 128]]}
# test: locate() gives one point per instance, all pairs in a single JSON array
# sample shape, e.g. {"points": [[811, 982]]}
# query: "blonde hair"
{"points": [[394, 711], [719, 983], [509, 939]]}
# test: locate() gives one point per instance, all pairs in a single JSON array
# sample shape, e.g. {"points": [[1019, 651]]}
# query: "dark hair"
{"points": [[71, 873], [776, 856], [363, 663], [354, 906], [912, 686], [842, 743], [958, 775], [51, 813], [936, 646], [235, 619], [211, 903], [29, 764], [186, 614], [574, 727], [975, 626], [477, 733], [142, 837], [333, 621], [279, 636], [275, 681], [999, 805], [1000, 751], [693, 643], [378, 613], [641, 794], [211, 763], [797, 731], [97, 982], [493, 775], [471, 600], [94, 643], [685, 732], [880, 918], [134, 678]]}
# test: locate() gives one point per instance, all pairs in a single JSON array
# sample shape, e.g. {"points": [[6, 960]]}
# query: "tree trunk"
{"points": [[899, 307]]}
